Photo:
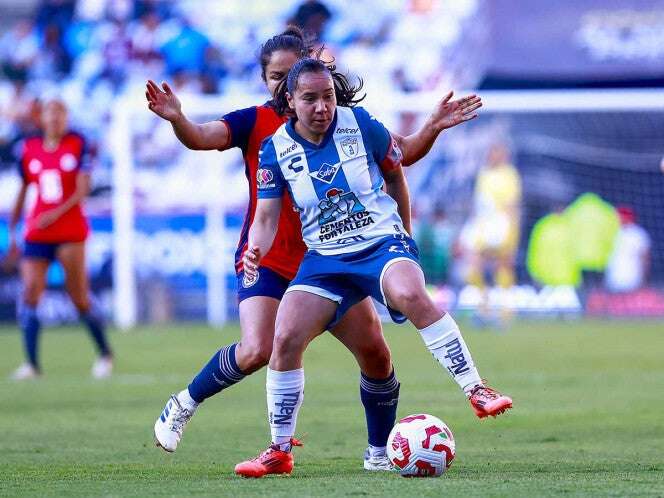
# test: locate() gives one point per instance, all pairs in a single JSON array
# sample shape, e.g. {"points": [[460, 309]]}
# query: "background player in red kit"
{"points": [[56, 163], [360, 329]]}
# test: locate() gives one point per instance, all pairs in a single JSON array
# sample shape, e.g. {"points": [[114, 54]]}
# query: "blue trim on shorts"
{"points": [[40, 250], [269, 284]]}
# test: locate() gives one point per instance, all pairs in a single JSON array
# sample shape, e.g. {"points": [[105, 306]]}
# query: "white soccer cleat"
{"points": [[102, 367], [171, 423], [25, 372], [377, 462]]}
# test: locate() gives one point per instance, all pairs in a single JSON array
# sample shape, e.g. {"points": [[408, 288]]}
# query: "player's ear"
{"points": [[290, 100]]}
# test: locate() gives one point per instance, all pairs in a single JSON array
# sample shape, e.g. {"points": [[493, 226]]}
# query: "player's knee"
{"points": [[255, 356], [286, 342], [407, 299], [31, 294], [82, 304], [378, 361]]}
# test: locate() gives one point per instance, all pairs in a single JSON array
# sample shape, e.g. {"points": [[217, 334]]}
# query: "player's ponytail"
{"points": [[344, 90], [291, 40]]}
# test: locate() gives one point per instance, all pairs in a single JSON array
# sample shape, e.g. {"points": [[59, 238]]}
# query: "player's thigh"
{"points": [[257, 318], [301, 317], [404, 288], [361, 332], [71, 256], [33, 275]]}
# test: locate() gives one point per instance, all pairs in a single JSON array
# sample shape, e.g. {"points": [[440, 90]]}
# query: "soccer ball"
{"points": [[421, 446]]}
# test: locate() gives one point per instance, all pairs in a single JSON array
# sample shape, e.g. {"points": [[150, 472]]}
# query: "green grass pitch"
{"points": [[588, 417]]}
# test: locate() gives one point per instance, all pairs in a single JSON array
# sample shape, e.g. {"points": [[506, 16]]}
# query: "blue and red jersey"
{"points": [[248, 128], [54, 173]]}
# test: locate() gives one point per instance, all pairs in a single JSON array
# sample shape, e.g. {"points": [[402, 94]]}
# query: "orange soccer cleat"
{"points": [[271, 461], [486, 401]]}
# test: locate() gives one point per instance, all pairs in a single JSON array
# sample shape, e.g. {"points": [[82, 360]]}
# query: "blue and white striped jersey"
{"points": [[337, 185]]}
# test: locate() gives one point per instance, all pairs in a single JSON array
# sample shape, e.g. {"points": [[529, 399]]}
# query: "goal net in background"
{"points": [[164, 236]]}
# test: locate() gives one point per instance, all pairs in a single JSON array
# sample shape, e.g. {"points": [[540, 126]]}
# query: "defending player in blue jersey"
{"points": [[333, 162]]}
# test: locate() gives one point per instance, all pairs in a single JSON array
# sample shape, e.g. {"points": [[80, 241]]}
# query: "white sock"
{"points": [[285, 393], [186, 400], [377, 451], [443, 338]]}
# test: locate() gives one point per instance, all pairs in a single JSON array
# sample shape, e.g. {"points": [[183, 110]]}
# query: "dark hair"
{"points": [[344, 90], [292, 40]]}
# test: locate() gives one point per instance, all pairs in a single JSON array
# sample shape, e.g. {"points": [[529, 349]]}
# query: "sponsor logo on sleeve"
{"points": [[265, 178]]}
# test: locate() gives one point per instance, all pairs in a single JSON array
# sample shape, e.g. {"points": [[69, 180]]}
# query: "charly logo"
{"points": [[68, 162], [264, 177], [349, 146], [35, 166], [249, 281], [326, 173]]}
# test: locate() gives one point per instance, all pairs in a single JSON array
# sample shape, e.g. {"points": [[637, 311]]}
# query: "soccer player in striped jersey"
{"points": [[334, 161], [260, 294], [57, 164]]}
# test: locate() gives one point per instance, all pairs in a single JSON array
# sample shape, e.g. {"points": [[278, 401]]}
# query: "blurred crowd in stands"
{"points": [[89, 51]]}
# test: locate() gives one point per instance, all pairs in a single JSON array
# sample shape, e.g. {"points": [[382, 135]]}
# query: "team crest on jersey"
{"points": [[326, 173], [68, 162], [349, 146], [265, 178], [338, 204], [248, 281], [35, 166]]}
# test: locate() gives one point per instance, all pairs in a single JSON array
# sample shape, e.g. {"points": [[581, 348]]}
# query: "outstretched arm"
{"points": [[397, 188], [165, 104], [447, 113], [261, 234]]}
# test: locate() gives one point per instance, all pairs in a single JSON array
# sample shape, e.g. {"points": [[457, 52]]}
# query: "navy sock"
{"points": [[30, 326], [94, 320], [380, 398], [219, 373]]}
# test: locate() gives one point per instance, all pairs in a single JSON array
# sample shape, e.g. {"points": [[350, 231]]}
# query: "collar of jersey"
{"points": [[290, 129]]}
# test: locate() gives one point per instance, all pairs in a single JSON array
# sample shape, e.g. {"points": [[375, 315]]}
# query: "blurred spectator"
{"points": [[595, 224], [18, 49], [186, 51], [312, 16], [116, 52], [52, 62], [629, 262], [434, 239], [550, 259], [492, 234], [55, 12]]}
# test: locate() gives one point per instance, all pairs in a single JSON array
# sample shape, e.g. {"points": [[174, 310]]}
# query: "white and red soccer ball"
{"points": [[421, 446]]}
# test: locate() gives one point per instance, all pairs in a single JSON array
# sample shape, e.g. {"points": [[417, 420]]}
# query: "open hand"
{"points": [[449, 113], [162, 101]]}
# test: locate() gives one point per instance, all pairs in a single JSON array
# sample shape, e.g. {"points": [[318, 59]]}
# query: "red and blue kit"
{"points": [[54, 173], [248, 128]]}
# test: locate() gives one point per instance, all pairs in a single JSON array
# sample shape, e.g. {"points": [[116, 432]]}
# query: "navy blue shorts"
{"points": [[349, 278], [40, 250], [268, 283]]}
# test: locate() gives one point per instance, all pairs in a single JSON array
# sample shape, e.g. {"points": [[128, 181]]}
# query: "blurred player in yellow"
{"points": [[491, 236]]}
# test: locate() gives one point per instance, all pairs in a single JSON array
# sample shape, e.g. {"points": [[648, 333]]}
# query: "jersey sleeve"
{"points": [[269, 178], [240, 124], [85, 159], [383, 147]]}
